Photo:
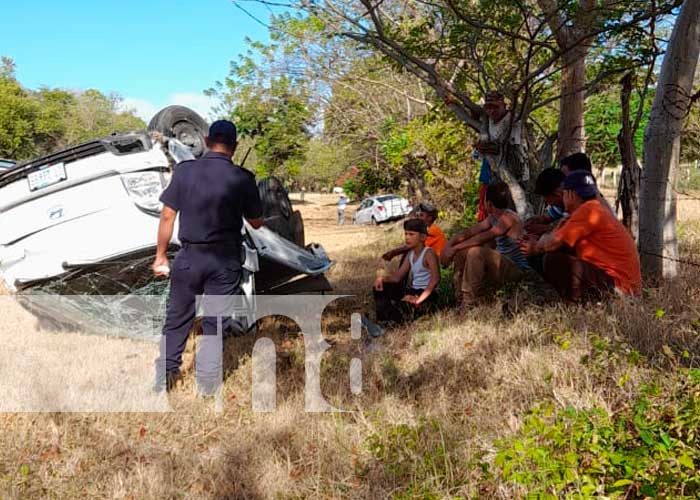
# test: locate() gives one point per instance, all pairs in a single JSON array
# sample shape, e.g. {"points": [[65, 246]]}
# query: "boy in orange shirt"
{"points": [[435, 238], [605, 257]]}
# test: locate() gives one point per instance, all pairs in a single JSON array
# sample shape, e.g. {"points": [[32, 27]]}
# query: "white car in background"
{"points": [[382, 208]]}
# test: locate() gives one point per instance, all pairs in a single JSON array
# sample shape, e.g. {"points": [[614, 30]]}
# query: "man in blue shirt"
{"points": [[211, 196], [550, 186]]}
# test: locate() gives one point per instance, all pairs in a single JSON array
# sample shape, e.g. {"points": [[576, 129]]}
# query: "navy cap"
{"points": [[223, 131], [416, 226], [582, 182]]}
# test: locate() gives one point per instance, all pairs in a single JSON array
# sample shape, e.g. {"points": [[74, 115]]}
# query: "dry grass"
{"points": [[436, 394]]}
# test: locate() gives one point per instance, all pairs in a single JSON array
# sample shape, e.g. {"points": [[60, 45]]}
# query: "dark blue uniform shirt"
{"points": [[212, 196]]}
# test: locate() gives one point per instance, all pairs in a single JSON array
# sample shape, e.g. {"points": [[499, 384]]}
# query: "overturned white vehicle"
{"points": [[83, 221]]}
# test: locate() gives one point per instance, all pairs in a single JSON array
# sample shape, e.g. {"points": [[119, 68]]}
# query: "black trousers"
{"points": [[206, 270], [390, 307], [575, 279]]}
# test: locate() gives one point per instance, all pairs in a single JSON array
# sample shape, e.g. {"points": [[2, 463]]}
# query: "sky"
{"points": [[152, 52]]}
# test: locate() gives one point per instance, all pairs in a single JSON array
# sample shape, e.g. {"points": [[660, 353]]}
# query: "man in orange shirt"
{"points": [[605, 255], [436, 238]]}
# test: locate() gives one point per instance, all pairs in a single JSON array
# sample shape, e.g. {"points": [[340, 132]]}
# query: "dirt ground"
{"points": [[458, 382], [321, 223], [45, 362]]}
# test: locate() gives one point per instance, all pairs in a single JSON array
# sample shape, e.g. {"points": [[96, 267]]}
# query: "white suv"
{"points": [[84, 220]]}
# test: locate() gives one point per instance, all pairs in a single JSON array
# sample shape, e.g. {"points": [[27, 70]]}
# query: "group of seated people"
{"points": [[578, 246]]}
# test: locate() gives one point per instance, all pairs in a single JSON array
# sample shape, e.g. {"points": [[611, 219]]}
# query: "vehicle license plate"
{"points": [[47, 176]]}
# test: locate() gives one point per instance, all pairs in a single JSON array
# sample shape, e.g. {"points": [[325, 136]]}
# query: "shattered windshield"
{"points": [[108, 297]]}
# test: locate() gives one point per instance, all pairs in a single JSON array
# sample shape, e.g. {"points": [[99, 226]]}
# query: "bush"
{"points": [[649, 450]]}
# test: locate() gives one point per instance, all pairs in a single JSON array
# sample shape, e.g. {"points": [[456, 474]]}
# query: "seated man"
{"points": [[477, 264], [395, 302], [435, 239], [606, 257], [580, 161], [549, 185]]}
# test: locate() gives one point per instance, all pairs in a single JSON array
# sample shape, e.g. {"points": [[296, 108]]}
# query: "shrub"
{"points": [[649, 450]]}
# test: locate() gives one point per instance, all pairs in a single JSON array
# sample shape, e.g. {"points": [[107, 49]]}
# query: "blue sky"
{"points": [[152, 52]]}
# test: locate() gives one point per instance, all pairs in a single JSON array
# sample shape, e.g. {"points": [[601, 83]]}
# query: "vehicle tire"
{"points": [[277, 209], [281, 226], [274, 198], [184, 125], [298, 228], [374, 221]]}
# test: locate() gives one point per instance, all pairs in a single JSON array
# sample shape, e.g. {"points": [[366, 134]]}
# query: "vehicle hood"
{"points": [[274, 247]]}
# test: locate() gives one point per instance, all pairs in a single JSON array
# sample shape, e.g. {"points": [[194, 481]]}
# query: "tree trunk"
{"points": [[573, 81], [658, 246], [504, 171], [628, 187]]}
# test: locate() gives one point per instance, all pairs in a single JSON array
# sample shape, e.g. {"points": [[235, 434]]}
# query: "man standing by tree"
{"points": [[504, 141]]}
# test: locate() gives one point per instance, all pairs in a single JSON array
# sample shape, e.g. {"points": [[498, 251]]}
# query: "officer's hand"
{"points": [[161, 266]]}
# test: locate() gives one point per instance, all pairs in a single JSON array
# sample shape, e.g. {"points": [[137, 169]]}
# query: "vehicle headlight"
{"points": [[144, 188]]}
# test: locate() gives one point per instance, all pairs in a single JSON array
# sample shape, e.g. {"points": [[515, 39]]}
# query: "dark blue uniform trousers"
{"points": [[210, 270]]}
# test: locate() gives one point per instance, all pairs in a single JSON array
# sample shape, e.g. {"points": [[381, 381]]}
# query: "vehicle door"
{"points": [[363, 215]]}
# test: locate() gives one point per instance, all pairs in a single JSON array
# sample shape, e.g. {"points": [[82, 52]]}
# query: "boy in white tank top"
{"points": [[397, 303]]}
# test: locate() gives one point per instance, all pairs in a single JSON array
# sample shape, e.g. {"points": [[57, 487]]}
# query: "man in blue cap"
{"points": [[605, 257], [211, 196]]}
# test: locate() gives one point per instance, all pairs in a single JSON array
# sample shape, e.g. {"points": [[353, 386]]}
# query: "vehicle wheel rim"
{"points": [[190, 136]]}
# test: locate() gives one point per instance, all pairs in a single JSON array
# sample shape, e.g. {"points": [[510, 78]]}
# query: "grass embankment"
{"points": [[547, 399]]}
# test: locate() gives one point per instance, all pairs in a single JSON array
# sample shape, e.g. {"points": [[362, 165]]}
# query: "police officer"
{"points": [[212, 197]]}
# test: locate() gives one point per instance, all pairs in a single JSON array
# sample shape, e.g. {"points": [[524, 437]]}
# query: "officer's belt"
{"points": [[212, 244]]}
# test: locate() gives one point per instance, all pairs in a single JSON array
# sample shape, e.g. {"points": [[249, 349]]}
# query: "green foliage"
{"points": [[94, 114], [445, 291], [471, 202], [603, 123], [38, 122], [353, 189], [417, 459], [651, 450], [324, 162], [270, 106], [371, 180], [18, 116], [278, 118]]}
